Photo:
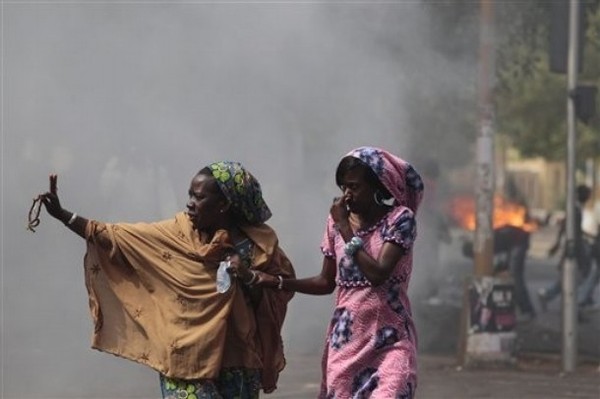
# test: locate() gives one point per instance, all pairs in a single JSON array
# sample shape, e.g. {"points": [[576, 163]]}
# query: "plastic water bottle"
{"points": [[223, 278]]}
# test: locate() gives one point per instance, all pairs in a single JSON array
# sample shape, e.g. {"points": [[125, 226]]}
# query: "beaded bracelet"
{"points": [[352, 246]]}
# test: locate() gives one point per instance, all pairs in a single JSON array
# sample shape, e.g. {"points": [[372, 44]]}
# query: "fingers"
{"points": [[53, 187], [237, 268], [233, 257], [233, 268], [48, 197]]}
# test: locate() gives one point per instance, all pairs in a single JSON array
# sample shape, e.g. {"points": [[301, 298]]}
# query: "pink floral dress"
{"points": [[370, 349]]}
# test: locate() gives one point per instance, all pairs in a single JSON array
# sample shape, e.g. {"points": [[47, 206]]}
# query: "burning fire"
{"points": [[462, 210]]}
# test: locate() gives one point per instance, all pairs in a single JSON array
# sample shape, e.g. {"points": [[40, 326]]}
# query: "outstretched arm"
{"points": [[321, 284], [75, 223]]}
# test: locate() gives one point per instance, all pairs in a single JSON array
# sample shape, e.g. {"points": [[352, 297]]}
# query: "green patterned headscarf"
{"points": [[242, 190]]}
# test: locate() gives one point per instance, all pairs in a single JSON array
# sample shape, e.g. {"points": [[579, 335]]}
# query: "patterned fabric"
{"points": [[244, 250], [242, 190], [142, 277], [397, 175], [370, 350], [232, 383]]}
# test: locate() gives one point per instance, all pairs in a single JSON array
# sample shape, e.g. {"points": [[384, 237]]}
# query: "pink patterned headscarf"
{"points": [[397, 175]]}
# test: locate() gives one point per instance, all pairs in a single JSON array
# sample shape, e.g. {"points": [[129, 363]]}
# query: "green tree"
{"points": [[531, 100]]}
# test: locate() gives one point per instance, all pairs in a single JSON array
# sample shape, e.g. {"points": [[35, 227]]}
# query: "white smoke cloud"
{"points": [[128, 101]]}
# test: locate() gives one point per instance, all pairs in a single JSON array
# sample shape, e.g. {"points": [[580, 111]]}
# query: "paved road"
{"points": [[536, 374], [535, 377]]}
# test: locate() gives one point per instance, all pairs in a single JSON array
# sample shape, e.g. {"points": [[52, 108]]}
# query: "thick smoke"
{"points": [[127, 101]]}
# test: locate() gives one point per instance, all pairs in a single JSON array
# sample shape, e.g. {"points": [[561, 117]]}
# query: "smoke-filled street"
{"points": [[126, 100]]}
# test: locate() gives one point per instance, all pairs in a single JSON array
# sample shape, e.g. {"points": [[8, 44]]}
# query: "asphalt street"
{"points": [[536, 372], [533, 377]]}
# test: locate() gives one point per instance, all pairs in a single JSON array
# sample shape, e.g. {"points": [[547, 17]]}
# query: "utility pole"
{"points": [[569, 305], [488, 333], [484, 192]]}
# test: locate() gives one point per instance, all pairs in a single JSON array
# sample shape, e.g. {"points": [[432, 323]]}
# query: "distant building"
{"points": [[542, 183]]}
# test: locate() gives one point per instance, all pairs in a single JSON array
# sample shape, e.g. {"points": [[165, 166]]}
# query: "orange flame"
{"points": [[462, 210]]}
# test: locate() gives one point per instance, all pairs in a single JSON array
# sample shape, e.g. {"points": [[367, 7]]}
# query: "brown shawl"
{"points": [[153, 299]]}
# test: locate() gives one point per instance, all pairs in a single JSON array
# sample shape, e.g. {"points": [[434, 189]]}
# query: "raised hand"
{"points": [[51, 201], [339, 211]]}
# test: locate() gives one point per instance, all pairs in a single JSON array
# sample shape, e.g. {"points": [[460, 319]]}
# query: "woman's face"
{"points": [[206, 204], [357, 192]]}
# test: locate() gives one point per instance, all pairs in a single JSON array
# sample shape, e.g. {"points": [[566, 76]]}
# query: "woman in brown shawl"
{"points": [[153, 288]]}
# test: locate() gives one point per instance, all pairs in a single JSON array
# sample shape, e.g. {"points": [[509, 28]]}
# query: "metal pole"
{"points": [[484, 191], [569, 305]]}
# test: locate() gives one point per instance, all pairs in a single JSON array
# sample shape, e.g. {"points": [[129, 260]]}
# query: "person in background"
{"points": [[582, 250], [585, 293], [370, 350], [513, 243], [153, 288]]}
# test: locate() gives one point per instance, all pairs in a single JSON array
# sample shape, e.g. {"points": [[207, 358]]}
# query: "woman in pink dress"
{"points": [[370, 349]]}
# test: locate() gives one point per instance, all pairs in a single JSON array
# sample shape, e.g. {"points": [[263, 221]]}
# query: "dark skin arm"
{"points": [[239, 270], [54, 208], [375, 270], [321, 284]]}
